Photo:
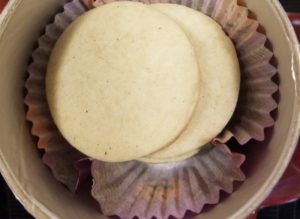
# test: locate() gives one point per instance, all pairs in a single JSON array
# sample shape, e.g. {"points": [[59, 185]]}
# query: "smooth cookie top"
{"points": [[122, 81]]}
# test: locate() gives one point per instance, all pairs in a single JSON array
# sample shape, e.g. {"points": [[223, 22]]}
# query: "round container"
{"points": [[21, 24]]}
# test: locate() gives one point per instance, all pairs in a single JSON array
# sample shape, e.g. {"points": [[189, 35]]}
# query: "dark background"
{"points": [[11, 209], [291, 5]]}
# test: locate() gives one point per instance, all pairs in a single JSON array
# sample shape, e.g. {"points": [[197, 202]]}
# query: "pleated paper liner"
{"points": [[64, 161], [255, 102], [136, 189], [38, 112], [212, 170], [68, 166]]}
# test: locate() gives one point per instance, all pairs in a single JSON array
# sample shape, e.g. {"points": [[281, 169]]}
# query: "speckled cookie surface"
{"points": [[122, 82], [219, 79]]}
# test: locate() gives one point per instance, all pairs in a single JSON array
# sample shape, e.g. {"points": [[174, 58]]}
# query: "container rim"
{"points": [[294, 133]]}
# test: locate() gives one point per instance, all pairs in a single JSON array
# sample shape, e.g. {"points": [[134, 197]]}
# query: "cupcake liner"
{"points": [[136, 189], [38, 112], [59, 156], [184, 185], [252, 114], [83, 167], [68, 166]]}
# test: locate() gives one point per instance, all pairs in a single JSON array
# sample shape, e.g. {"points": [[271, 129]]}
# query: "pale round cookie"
{"points": [[219, 79], [153, 160], [122, 82]]}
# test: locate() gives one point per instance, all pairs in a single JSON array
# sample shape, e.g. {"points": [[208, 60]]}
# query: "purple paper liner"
{"points": [[68, 166], [38, 112], [59, 156], [136, 189], [252, 114]]}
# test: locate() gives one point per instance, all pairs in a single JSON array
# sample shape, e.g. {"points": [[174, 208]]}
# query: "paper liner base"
{"points": [[159, 190]]}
